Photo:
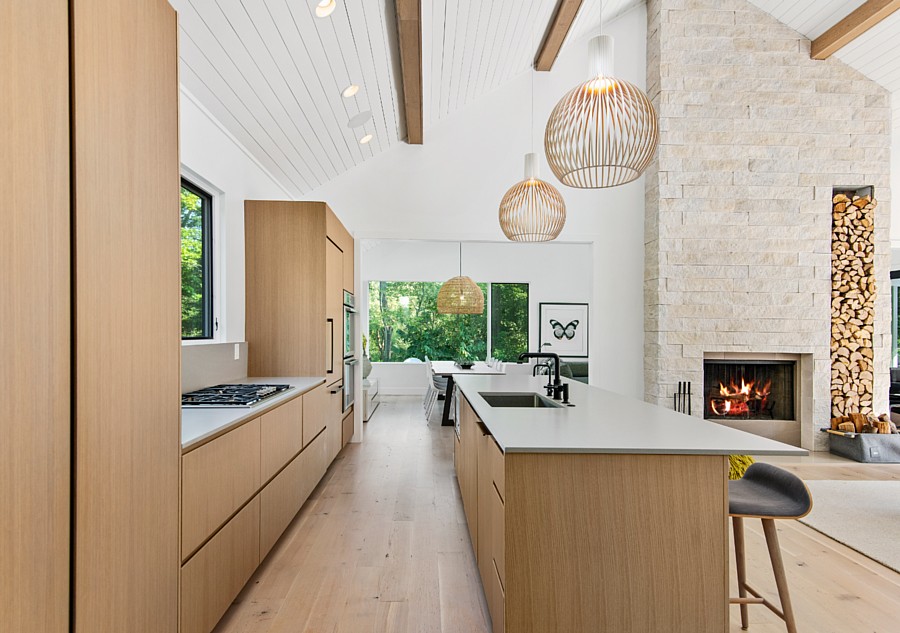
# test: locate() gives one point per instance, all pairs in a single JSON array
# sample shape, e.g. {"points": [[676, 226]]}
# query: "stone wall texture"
{"points": [[753, 137]]}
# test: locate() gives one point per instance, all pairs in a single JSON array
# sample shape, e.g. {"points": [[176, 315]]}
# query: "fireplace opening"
{"points": [[749, 389]]}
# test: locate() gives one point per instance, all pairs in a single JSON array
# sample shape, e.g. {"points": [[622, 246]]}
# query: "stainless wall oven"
{"points": [[349, 325], [349, 381]]}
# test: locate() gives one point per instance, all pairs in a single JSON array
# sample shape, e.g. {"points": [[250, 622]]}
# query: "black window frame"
{"points": [[206, 214]]}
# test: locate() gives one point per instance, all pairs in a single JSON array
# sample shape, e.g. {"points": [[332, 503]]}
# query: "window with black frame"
{"points": [[196, 262]]}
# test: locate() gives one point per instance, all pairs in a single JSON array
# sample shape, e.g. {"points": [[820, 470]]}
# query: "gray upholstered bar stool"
{"points": [[765, 492]]}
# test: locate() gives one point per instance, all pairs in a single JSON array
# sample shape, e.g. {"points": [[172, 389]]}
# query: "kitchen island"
{"points": [[609, 516]]}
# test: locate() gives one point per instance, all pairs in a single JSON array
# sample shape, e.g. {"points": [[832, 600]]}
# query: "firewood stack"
{"points": [[852, 304], [862, 423]]}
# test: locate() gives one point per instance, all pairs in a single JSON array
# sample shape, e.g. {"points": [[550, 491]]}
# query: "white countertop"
{"points": [[604, 422], [199, 425]]}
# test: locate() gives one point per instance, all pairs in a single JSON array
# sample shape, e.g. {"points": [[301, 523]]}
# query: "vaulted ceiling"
{"points": [[875, 53], [272, 72]]}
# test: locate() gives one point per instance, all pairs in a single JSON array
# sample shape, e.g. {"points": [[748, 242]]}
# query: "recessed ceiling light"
{"points": [[349, 91], [325, 8], [365, 139], [360, 119]]}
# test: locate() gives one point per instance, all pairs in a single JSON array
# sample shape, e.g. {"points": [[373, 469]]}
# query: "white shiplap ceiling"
{"points": [[272, 73], [876, 53]]}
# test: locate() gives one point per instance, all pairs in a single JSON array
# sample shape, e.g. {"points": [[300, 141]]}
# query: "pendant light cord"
{"points": [[531, 70]]}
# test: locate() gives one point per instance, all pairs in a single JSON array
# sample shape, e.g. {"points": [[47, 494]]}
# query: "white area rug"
{"points": [[864, 515]]}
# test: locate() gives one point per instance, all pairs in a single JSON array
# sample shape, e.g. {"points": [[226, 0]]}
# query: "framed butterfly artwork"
{"points": [[563, 329]]}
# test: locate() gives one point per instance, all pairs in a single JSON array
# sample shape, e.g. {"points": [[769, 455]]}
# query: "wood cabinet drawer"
{"points": [[347, 431], [498, 471], [335, 428], [497, 604], [283, 497], [281, 431], [498, 535], [486, 494], [217, 478], [216, 574], [315, 412]]}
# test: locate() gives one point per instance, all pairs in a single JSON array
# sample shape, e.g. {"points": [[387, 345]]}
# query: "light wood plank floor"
{"points": [[381, 546]]}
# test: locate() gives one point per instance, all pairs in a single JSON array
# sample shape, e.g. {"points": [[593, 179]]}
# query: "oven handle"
{"points": [[331, 355]]}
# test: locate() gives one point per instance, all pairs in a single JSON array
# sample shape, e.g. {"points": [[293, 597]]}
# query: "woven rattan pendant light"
{"points": [[602, 133], [460, 295], [532, 210]]}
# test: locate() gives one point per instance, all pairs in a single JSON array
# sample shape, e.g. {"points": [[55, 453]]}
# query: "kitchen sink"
{"points": [[519, 400]]}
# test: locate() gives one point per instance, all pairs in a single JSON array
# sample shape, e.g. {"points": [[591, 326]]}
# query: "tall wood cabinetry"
{"points": [[127, 315], [89, 262], [34, 316], [299, 261]]}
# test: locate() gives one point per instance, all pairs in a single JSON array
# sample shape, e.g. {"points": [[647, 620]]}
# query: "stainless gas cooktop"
{"points": [[231, 395]]}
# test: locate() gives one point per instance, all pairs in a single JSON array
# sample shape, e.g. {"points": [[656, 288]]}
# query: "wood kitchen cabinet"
{"points": [[295, 254], [281, 437], [35, 275], [217, 479], [315, 412], [282, 498], [90, 187], [334, 312], [550, 530], [215, 575], [127, 317], [240, 491]]}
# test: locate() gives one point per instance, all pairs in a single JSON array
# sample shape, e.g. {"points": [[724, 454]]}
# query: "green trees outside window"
{"points": [[509, 321], [196, 243], [404, 323]]}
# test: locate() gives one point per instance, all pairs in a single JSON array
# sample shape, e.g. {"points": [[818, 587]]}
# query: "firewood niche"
{"points": [[853, 294]]}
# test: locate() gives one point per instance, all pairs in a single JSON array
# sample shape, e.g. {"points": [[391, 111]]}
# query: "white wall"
{"points": [[213, 159], [556, 272], [895, 181], [450, 189]]}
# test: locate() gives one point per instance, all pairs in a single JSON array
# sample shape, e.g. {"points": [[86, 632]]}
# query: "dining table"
{"points": [[448, 369]]}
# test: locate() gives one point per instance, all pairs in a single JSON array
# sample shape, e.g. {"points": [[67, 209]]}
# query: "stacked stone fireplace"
{"points": [[754, 138]]}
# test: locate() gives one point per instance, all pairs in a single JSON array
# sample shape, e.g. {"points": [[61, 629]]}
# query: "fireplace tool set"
{"points": [[682, 398]]}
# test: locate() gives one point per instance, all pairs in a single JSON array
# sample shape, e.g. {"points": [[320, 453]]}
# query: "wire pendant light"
{"points": [[532, 210], [602, 133], [460, 295]]}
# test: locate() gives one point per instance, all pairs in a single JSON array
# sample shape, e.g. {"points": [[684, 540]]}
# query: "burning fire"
{"points": [[733, 400]]}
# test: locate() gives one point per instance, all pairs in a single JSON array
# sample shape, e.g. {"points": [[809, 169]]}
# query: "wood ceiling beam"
{"points": [[858, 22], [409, 35], [557, 31]]}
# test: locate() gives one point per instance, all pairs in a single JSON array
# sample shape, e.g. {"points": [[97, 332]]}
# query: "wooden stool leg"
{"points": [[780, 577], [741, 564]]}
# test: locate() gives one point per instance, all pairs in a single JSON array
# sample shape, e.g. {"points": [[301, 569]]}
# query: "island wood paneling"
{"points": [[610, 528], [34, 316], [127, 314], [285, 298], [217, 479]]}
